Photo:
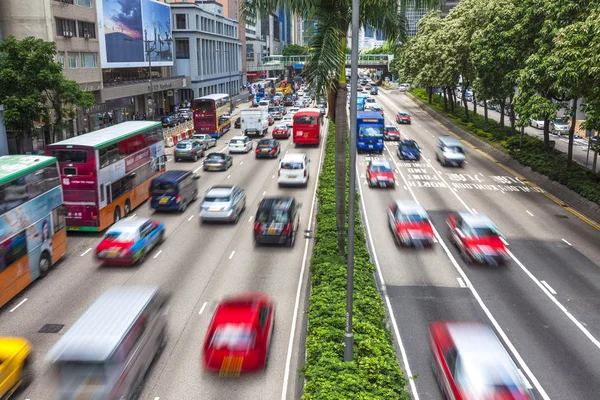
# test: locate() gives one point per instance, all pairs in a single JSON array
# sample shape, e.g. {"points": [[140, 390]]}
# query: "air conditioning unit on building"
{"points": [[86, 35], [68, 34]]}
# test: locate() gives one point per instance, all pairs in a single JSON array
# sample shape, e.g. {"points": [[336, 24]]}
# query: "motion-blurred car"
{"points": [[288, 120], [170, 121], [205, 140], [268, 148], [277, 221], [217, 162], [281, 132], [403, 117], [359, 88], [471, 363], [240, 144], [376, 108], [16, 367], [374, 91], [559, 127], [370, 100], [129, 241], [322, 108], [186, 114], [189, 149], [238, 123], [288, 101], [293, 111], [223, 203], [380, 174], [239, 336], [409, 150], [410, 224], [270, 120], [391, 132], [477, 238], [404, 87]]}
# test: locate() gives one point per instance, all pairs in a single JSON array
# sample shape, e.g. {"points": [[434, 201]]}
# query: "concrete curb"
{"points": [[564, 196]]}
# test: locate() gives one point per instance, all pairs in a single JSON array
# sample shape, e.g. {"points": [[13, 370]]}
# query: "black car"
{"points": [[170, 121], [288, 101], [238, 123], [268, 148], [217, 162], [277, 221]]}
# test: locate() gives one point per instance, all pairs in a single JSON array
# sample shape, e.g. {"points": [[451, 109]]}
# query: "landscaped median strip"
{"points": [[375, 372]]}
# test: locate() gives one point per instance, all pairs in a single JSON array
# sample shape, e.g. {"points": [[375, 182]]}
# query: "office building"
{"points": [[414, 15], [264, 37], [207, 49]]}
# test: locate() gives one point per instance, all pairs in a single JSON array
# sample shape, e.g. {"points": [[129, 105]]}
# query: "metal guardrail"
{"points": [[364, 59]]}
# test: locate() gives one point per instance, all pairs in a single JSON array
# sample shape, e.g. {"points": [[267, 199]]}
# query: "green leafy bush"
{"points": [[531, 153], [374, 373]]}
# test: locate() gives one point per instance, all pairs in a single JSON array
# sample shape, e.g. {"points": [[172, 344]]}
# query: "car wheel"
{"points": [[26, 374], [195, 157], [117, 214], [183, 206], [175, 159], [290, 240], [44, 264]]}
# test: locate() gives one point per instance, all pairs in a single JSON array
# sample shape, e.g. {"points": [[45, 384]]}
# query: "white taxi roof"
{"points": [[476, 220], [130, 224], [239, 138], [410, 207], [380, 162], [293, 157]]}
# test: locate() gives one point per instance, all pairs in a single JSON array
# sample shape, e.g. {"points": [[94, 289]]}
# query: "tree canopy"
{"points": [[295, 50]]}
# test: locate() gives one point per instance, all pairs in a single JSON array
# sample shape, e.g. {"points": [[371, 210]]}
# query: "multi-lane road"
{"points": [[543, 304], [198, 264]]}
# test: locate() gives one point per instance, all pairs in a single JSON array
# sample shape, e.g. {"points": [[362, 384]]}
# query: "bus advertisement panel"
{"points": [[370, 130], [106, 173], [307, 126], [209, 114], [32, 221]]}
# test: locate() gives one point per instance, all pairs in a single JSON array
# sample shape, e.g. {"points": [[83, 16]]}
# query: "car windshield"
{"points": [[284, 127], [120, 236], [274, 215], [237, 141], [291, 165], [214, 156], [559, 122], [403, 114], [370, 131], [163, 187], [483, 231], [183, 145], [455, 149], [217, 199], [411, 217], [380, 168], [392, 129], [232, 337], [410, 146], [370, 100], [266, 143]]}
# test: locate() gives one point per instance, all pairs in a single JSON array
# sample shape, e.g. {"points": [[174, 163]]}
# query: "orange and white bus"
{"points": [[32, 221], [106, 173]]}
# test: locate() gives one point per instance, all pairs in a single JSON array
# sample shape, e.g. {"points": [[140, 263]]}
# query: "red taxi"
{"points": [[380, 174], [471, 363], [391, 132], [403, 117], [271, 120], [477, 238], [239, 335], [410, 224], [281, 132], [129, 241]]}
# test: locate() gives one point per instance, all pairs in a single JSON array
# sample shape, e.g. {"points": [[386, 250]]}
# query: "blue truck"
{"points": [[369, 132]]}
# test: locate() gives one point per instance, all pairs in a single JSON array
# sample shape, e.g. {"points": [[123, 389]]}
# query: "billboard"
{"points": [[131, 31]]}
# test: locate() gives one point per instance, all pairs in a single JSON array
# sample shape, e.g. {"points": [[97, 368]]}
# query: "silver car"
{"points": [[223, 203], [206, 140], [559, 127]]}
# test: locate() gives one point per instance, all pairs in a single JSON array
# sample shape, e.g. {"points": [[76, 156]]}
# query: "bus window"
{"points": [[305, 120], [70, 156], [12, 250]]}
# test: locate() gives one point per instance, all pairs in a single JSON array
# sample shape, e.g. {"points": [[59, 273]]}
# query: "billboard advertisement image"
{"points": [[132, 31]]}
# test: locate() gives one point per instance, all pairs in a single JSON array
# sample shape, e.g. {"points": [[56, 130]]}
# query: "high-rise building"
{"points": [[308, 30], [413, 15]]}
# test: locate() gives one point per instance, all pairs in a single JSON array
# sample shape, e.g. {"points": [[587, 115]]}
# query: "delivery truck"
{"points": [[255, 122]]}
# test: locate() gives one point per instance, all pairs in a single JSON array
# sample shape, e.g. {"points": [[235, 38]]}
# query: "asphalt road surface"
{"points": [[198, 264], [543, 304]]}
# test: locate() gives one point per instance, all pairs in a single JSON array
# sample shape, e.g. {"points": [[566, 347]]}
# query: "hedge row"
{"points": [[374, 373], [531, 153]]}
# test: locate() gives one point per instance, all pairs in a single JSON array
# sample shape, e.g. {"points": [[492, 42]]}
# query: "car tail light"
{"points": [[257, 150], [178, 199], [273, 150], [257, 227], [192, 151], [305, 173], [287, 229], [278, 173]]}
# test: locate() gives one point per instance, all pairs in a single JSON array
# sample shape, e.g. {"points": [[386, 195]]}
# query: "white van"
{"points": [[293, 170], [450, 151]]}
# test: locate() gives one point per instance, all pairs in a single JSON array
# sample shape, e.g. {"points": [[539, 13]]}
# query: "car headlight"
{"points": [[478, 255], [373, 180]]}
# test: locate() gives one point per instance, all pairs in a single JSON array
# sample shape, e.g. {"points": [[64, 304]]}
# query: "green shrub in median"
{"points": [[531, 153], [375, 372]]}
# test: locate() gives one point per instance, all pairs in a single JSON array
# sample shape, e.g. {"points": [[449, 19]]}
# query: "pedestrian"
{"points": [[144, 116]]}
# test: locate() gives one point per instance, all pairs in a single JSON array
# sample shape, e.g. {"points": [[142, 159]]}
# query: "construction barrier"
{"points": [[180, 132]]}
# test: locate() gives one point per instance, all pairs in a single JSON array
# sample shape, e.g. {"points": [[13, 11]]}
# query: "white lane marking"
{"points": [[479, 300], [231, 255], [474, 211], [404, 187], [202, 308], [157, 398], [504, 241], [190, 218], [222, 150], [408, 372], [85, 252], [169, 159], [265, 192], [241, 162], [228, 176], [288, 360], [250, 219], [198, 169], [273, 177], [461, 282], [18, 305], [567, 242], [529, 212], [525, 381], [133, 215], [157, 254], [548, 287]]}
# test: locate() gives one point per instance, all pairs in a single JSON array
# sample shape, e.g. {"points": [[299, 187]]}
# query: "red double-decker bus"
{"points": [[209, 114], [307, 126]]}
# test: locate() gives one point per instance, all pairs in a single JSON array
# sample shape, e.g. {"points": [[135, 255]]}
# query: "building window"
{"points": [[65, 1], [197, 22], [180, 21], [89, 60], [83, 3], [249, 52], [87, 30], [60, 58], [182, 49], [73, 60], [65, 27]]}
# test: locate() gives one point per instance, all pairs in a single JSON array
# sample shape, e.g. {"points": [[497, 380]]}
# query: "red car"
{"points": [[380, 174], [281, 132], [271, 120], [129, 241], [471, 363], [391, 132], [410, 224], [477, 238], [403, 117], [239, 335]]}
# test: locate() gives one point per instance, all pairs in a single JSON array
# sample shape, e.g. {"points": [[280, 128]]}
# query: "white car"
{"points": [[537, 123], [293, 110], [293, 170], [240, 144], [300, 93], [288, 120], [404, 87]]}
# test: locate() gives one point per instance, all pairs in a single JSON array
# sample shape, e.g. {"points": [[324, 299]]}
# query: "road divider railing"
{"points": [[178, 133], [375, 372]]}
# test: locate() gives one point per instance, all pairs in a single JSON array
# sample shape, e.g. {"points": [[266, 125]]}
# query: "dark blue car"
{"points": [[409, 150], [173, 190]]}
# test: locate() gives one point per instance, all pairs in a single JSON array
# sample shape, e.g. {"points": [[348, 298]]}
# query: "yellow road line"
{"points": [[555, 199]]}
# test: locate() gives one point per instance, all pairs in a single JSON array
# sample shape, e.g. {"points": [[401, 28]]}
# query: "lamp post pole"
{"points": [[349, 335]]}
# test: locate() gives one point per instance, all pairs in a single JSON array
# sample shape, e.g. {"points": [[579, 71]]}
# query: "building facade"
{"points": [[207, 49]]}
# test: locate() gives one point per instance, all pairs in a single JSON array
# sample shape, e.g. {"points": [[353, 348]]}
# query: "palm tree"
{"points": [[326, 71]]}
